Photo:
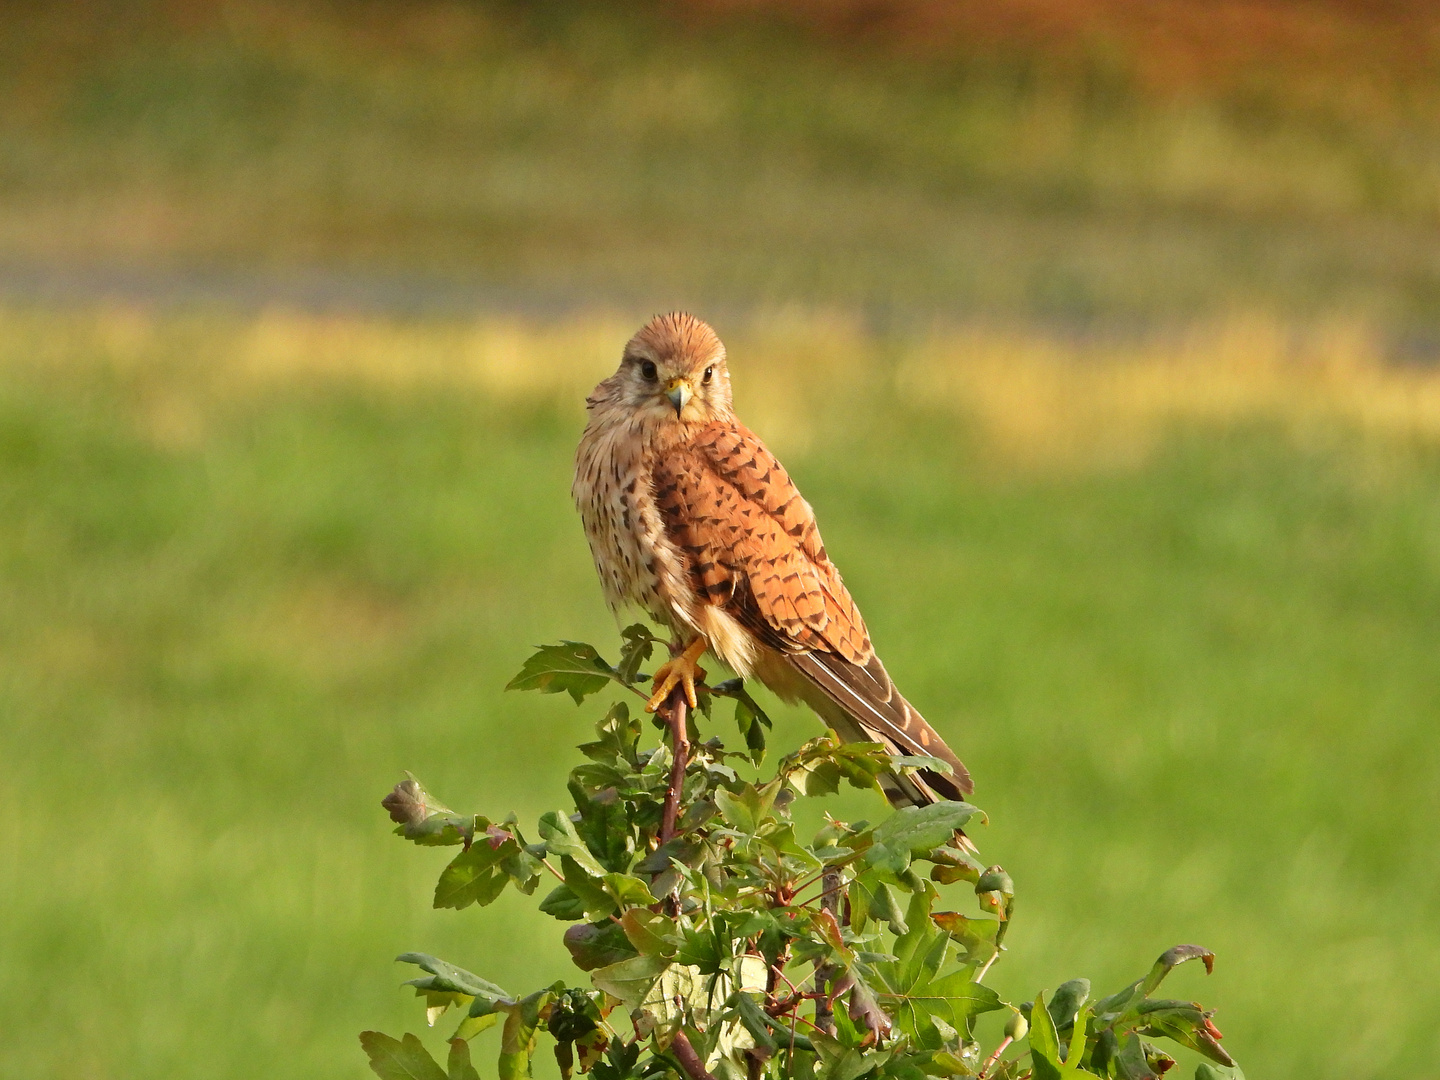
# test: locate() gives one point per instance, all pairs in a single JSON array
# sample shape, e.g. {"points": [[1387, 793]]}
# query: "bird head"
{"points": [[673, 369]]}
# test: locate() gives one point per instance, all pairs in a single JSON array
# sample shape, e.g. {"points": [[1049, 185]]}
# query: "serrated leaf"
{"points": [[749, 717], [400, 1059], [975, 936], [701, 949], [745, 810], [409, 803], [589, 891], [628, 891], [639, 644], [953, 998], [754, 1019], [571, 667], [473, 876], [618, 733], [423, 819], [603, 825]]}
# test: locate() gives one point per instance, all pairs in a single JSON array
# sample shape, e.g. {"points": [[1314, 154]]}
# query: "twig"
{"points": [[994, 1057], [829, 901], [674, 710], [986, 966], [689, 1060]]}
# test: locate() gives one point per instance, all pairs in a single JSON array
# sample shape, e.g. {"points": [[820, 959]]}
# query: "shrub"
{"points": [[719, 945]]}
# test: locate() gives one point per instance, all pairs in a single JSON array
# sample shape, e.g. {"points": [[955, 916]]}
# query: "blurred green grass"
{"points": [[1199, 695], [645, 150], [250, 572]]}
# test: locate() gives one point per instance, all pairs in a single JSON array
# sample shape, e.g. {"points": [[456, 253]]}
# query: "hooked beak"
{"points": [[679, 392]]}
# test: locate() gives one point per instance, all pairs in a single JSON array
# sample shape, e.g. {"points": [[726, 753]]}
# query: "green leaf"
{"points": [[603, 825], [458, 1065], [1171, 959], [639, 644], [563, 904], [1186, 1023], [1044, 1042], [915, 830], [746, 810], [628, 891], [596, 945], [749, 717], [953, 998], [975, 936], [850, 1063], [754, 1018], [399, 1059], [424, 819], [952, 865], [1206, 1071], [885, 906], [701, 949], [473, 1025], [473, 876], [558, 832], [1067, 1000], [630, 980], [1130, 1063], [652, 934], [588, 891], [517, 1037], [447, 976], [571, 667], [618, 735]]}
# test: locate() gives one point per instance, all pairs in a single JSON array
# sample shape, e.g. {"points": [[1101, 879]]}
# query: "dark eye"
{"points": [[648, 370], [708, 372]]}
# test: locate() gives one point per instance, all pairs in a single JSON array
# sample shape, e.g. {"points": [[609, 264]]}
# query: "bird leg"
{"points": [[684, 671]]}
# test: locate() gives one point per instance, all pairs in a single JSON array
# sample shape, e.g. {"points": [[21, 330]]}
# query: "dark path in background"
{"points": [[408, 296]]}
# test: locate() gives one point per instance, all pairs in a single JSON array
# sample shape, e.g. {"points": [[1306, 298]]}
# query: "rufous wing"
{"points": [[754, 550]]}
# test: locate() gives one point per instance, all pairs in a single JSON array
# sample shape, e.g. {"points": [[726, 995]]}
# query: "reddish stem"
{"points": [[674, 709], [995, 1057], [689, 1060]]}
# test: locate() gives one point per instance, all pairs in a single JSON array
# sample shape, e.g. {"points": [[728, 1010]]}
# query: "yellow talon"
{"points": [[684, 670]]}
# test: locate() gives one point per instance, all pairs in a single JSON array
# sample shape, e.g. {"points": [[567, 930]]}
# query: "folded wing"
{"points": [[754, 550]]}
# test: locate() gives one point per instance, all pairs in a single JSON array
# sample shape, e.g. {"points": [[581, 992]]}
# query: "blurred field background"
{"points": [[1120, 317]]}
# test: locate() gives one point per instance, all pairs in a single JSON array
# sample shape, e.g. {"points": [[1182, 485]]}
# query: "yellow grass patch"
{"points": [[1037, 397]]}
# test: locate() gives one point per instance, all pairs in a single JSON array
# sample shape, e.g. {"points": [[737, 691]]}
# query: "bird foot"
{"points": [[684, 671]]}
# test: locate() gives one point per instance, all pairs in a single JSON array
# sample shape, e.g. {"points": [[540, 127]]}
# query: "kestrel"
{"points": [[693, 521]]}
